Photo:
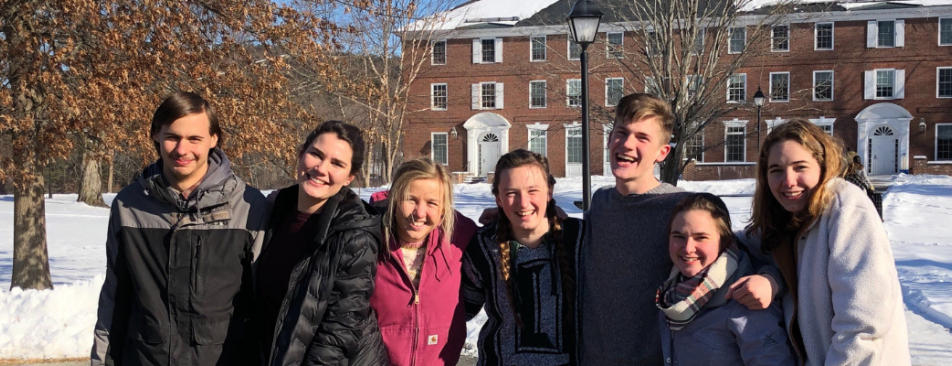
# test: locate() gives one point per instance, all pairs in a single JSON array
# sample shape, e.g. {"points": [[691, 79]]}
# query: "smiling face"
{"points": [[635, 147], [792, 174], [694, 242], [184, 146], [523, 196], [323, 169], [420, 212]]}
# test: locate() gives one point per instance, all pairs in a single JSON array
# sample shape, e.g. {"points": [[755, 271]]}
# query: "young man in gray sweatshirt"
{"points": [[625, 258]]}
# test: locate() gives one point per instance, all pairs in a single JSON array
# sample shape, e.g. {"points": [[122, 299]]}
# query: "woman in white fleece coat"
{"points": [[843, 304]]}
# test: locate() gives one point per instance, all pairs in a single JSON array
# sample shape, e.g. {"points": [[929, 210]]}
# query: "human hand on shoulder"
{"points": [[756, 292]]}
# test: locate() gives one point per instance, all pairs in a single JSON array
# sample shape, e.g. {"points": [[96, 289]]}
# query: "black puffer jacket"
{"points": [[325, 318]]}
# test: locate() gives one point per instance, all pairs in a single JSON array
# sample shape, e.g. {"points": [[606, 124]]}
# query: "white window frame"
{"points": [[935, 151], [937, 71], [728, 96], [433, 147], [544, 128], [879, 36], [574, 126], [730, 36], [770, 87], [606, 136], [872, 33], [544, 51], [568, 93], [700, 36], [816, 36], [832, 83], [876, 84], [823, 122], [477, 96], [940, 33], [735, 123], [445, 52], [433, 97], [545, 94], [568, 50], [772, 38], [610, 48], [687, 148], [478, 55], [607, 80], [649, 81]]}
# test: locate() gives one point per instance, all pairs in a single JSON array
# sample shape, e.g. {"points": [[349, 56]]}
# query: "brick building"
{"points": [[876, 75]]}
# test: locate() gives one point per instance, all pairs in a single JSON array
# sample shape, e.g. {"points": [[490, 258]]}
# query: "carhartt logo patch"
{"points": [[433, 339], [768, 341]]}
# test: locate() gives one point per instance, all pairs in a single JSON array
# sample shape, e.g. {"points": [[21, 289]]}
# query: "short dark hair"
{"points": [[181, 104], [344, 131]]}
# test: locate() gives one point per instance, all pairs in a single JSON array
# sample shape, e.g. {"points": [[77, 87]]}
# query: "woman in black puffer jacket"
{"points": [[316, 273]]}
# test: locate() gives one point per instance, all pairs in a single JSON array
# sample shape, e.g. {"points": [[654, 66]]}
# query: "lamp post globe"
{"points": [[759, 100]]}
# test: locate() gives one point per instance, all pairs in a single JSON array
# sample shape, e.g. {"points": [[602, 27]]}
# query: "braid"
{"points": [[503, 230], [565, 269]]}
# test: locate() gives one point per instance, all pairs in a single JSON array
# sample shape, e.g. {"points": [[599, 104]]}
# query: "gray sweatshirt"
{"points": [[624, 260]]}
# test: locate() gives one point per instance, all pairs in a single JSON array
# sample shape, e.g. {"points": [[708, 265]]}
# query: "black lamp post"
{"points": [[759, 99], [583, 23]]}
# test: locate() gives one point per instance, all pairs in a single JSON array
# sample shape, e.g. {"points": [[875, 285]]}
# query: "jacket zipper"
{"points": [[673, 359], [198, 267], [416, 305]]}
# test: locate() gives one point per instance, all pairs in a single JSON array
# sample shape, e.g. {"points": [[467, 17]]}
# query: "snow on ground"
{"points": [[59, 323]]}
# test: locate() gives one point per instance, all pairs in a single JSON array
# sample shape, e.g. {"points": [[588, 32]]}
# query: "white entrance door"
{"points": [[883, 146], [488, 153]]}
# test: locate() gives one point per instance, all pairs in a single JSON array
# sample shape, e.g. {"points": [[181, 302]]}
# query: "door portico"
{"points": [[882, 139], [487, 138]]}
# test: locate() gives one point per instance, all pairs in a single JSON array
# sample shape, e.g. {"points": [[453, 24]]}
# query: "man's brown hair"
{"points": [[638, 106]]}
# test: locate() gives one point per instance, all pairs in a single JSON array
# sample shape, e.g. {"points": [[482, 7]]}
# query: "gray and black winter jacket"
{"points": [[325, 317], [178, 288]]}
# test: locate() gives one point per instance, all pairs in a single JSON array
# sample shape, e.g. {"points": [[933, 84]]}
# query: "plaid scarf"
{"points": [[681, 299]]}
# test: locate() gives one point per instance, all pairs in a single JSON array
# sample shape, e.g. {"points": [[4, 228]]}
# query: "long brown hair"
{"points": [[520, 158], [408, 172], [769, 218], [713, 205]]}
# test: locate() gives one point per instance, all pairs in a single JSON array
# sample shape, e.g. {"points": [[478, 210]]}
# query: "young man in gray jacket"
{"points": [[181, 244], [625, 257]]}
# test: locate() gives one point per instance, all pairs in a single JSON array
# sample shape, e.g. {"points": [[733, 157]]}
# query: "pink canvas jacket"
{"points": [[425, 325]]}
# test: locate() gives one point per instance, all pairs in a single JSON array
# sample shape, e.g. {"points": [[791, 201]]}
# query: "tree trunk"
{"points": [[31, 265], [671, 169], [112, 161], [90, 185]]}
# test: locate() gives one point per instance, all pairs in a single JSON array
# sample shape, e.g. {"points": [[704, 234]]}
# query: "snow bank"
{"points": [[51, 323]]}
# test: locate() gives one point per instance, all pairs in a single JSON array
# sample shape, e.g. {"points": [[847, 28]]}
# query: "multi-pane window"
{"points": [[699, 42], [944, 82], [827, 128], [694, 147], [439, 53], [537, 94], [693, 84], [440, 151], [616, 45], [943, 141], [737, 88], [614, 90], [945, 32], [487, 93], [438, 96], [538, 48], [573, 89], [575, 50], [537, 141], [824, 36], [651, 86], [489, 50], [738, 37], [573, 145], [654, 44], [780, 38], [885, 83], [823, 85], [735, 144], [886, 33], [780, 87]]}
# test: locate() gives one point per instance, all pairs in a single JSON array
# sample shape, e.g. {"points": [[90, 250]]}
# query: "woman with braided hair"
{"points": [[523, 269]]}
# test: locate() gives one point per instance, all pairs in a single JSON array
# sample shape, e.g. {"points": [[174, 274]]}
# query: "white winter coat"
{"points": [[848, 300]]}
